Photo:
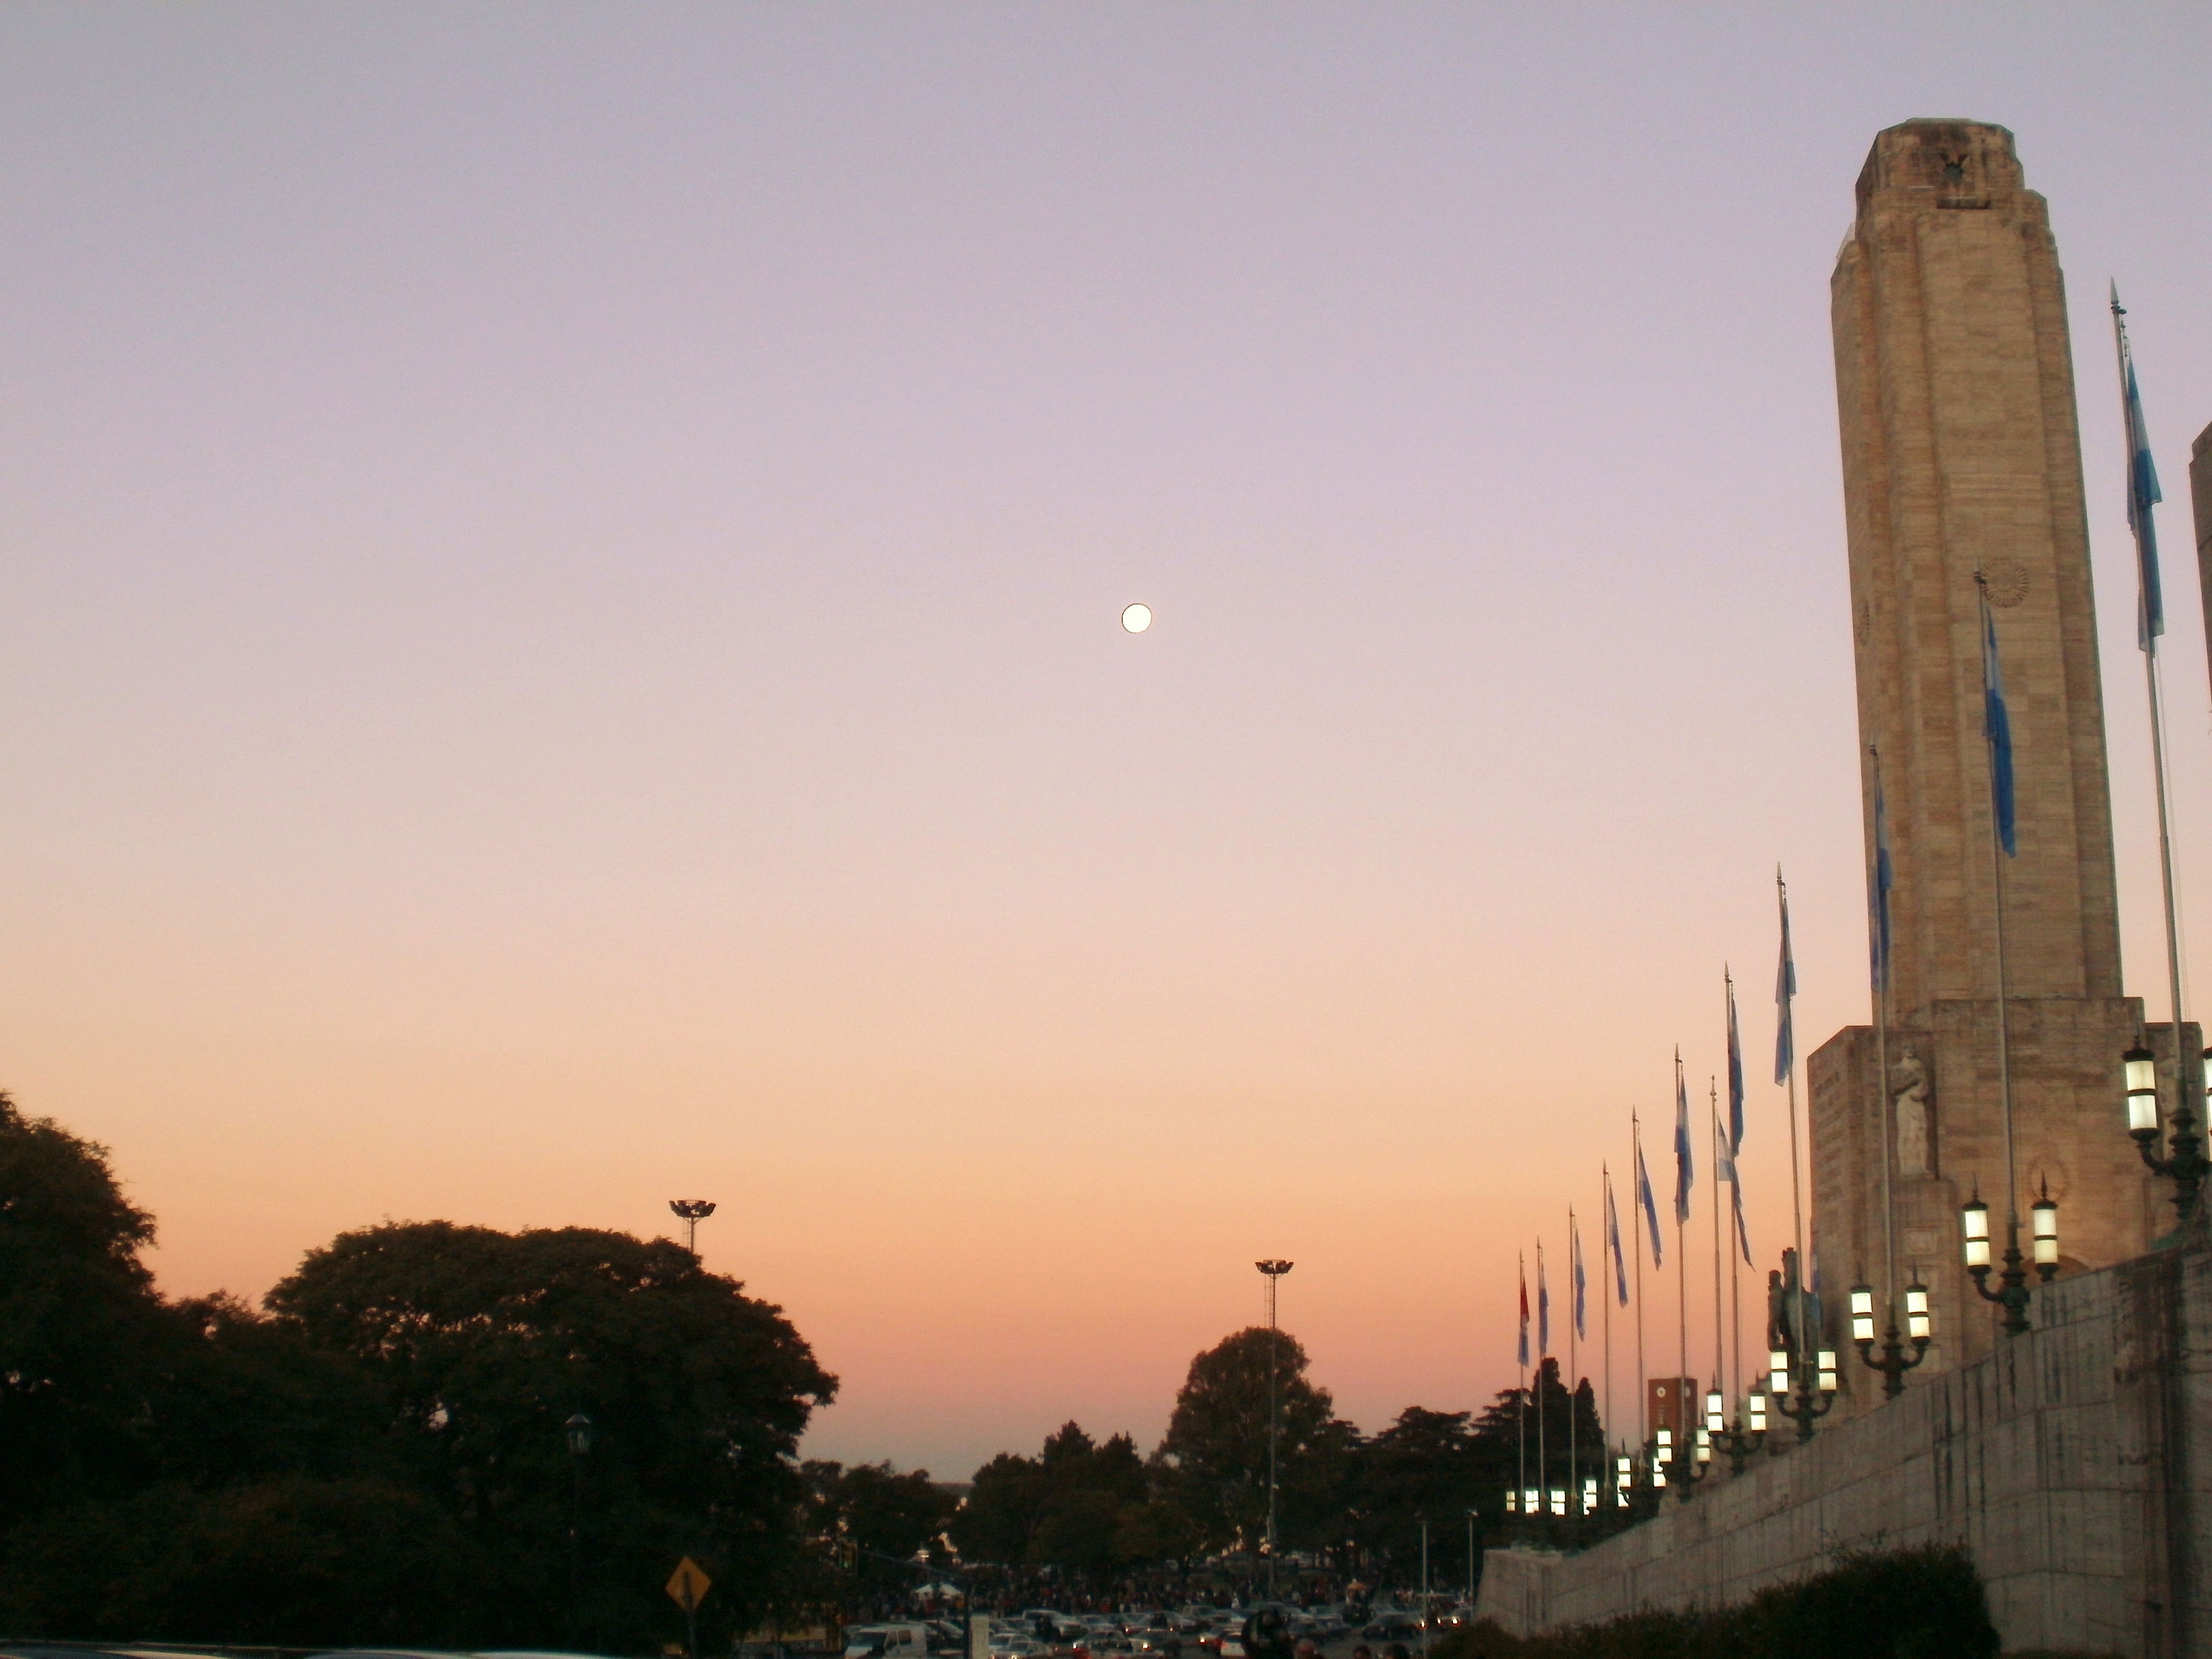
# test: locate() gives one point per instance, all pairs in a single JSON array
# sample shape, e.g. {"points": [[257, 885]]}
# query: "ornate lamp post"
{"points": [[2184, 1164], [1803, 1390], [1749, 1435], [1893, 1363], [1699, 1463], [2012, 1294]]}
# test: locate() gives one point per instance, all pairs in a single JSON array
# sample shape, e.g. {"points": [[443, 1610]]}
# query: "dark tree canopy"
{"points": [[80, 1326], [382, 1457], [1081, 1504], [1214, 1457], [484, 1343]]}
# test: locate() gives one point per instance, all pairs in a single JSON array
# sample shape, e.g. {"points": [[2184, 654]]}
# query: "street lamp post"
{"points": [[693, 1210], [2184, 1164], [1801, 1387], [1428, 1606], [1470, 1565], [1893, 1363], [1749, 1435], [2012, 1294], [1272, 1271], [578, 1432]]}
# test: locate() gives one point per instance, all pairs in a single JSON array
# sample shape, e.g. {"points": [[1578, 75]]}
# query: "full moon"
{"points": [[1137, 619]]}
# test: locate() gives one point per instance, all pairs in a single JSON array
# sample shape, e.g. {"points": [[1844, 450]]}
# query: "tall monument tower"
{"points": [[1961, 458]]}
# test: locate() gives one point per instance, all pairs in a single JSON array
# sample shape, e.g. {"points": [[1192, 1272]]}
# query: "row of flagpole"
{"points": [[2142, 494], [1727, 1142]]}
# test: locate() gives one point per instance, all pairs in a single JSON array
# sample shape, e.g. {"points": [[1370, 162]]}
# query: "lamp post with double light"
{"points": [[2012, 1292], [1746, 1437], [1919, 1327], [2185, 1163], [1801, 1387]]}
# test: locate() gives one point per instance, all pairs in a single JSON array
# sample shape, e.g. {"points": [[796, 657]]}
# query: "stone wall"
{"points": [[2075, 1462]]}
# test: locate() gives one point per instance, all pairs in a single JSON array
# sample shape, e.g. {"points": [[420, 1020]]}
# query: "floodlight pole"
{"points": [[1272, 1271], [693, 1210]]}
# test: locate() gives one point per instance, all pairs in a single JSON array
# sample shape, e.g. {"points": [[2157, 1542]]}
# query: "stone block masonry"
{"points": [[2075, 1462]]}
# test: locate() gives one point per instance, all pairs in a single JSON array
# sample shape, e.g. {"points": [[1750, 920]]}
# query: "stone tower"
{"points": [[1955, 387]]}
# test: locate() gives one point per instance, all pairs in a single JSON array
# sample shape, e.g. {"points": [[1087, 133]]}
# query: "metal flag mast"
{"points": [[1543, 1354], [1742, 1245], [1521, 1390], [1997, 730], [1804, 1381], [1574, 1331], [1636, 1201], [2150, 622], [1613, 1249], [1683, 1422], [1713, 1109]]}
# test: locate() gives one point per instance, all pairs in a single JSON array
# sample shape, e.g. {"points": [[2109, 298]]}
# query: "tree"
{"points": [[80, 1329], [1422, 1466], [482, 1344], [1079, 1504], [1514, 1438], [1213, 1459]]}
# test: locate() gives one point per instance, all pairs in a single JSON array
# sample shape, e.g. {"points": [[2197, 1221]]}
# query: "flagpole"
{"points": [[1681, 1296], [2004, 1044], [1520, 1391], [1885, 1105], [1796, 1181], [1612, 1230], [2149, 624], [1636, 1197], [1543, 1352], [1574, 1308], [1736, 1190], [1713, 1110]]}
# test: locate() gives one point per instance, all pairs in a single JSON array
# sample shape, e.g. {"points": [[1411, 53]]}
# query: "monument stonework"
{"points": [[1962, 459], [2072, 1459]]}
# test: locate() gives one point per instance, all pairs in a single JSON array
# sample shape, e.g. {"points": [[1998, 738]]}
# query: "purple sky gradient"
{"points": [[559, 636]]}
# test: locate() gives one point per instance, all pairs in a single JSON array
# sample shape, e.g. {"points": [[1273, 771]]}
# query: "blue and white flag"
{"points": [[1735, 1074], [1575, 1236], [1685, 1176], [1997, 726], [1879, 882], [2142, 491], [1786, 987], [1612, 1243], [1650, 1206], [1742, 1232], [1524, 1312], [1543, 1306]]}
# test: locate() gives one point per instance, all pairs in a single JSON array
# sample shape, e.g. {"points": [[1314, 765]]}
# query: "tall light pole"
{"points": [[1470, 1566], [693, 1212], [1271, 1271], [577, 1431]]}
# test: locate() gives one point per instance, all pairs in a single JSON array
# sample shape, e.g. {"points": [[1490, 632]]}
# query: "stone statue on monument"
{"points": [[1908, 1088]]}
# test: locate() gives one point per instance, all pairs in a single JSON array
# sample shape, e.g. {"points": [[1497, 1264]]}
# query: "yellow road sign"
{"points": [[688, 1584]]}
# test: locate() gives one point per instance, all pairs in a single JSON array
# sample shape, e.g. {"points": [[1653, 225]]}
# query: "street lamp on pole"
{"points": [[577, 1431], [1470, 1564], [1272, 1271], [2186, 1165], [693, 1210]]}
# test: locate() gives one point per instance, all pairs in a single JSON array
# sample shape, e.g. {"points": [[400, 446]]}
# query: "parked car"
{"points": [[887, 1642]]}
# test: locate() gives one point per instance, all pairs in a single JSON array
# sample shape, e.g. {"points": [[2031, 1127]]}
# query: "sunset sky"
{"points": [[559, 633]]}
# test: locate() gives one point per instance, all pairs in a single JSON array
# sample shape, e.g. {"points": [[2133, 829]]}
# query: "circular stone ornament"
{"points": [[2006, 582]]}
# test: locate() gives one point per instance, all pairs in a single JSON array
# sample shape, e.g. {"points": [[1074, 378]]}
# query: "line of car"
{"points": [[1142, 1633]]}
